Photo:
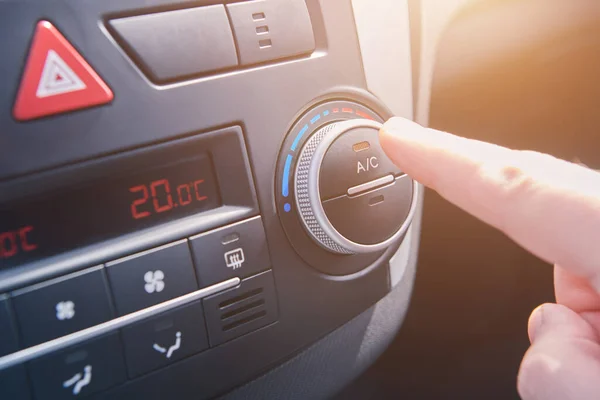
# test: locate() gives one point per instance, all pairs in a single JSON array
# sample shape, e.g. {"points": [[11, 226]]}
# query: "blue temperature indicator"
{"points": [[285, 187], [300, 134]]}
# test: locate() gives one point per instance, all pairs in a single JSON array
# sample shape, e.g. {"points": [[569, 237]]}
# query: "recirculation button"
{"points": [[373, 216], [371, 185]]}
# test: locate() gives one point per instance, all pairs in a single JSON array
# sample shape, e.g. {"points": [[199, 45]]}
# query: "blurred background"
{"points": [[523, 74]]}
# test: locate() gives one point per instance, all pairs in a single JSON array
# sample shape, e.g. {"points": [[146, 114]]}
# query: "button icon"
{"points": [[160, 340], [65, 310], [235, 258], [79, 371], [370, 164], [57, 78], [79, 380], [169, 352], [262, 30], [154, 281]]}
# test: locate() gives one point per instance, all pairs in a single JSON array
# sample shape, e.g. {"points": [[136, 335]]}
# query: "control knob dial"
{"points": [[350, 197]]}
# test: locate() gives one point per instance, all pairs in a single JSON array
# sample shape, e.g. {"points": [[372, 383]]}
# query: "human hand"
{"points": [[550, 207]]}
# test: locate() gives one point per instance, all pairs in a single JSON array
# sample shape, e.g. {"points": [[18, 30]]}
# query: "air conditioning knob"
{"points": [[350, 197]]}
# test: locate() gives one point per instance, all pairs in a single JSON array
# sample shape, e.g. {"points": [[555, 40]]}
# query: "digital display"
{"points": [[105, 208]]}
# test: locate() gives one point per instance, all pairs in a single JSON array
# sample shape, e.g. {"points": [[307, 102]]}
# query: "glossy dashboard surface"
{"points": [[193, 262]]}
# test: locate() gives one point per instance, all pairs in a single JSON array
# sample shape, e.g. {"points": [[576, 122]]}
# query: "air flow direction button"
{"points": [[164, 339], [79, 371]]}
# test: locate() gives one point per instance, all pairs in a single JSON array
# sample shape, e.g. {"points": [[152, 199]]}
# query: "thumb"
{"points": [[563, 361]]}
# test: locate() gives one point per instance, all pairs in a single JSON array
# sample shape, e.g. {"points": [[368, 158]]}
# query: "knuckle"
{"points": [[514, 175], [512, 180]]}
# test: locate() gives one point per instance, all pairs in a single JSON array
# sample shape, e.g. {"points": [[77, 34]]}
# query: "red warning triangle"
{"points": [[57, 78]]}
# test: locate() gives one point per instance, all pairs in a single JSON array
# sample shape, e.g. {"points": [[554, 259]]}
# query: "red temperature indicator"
{"points": [[163, 199], [15, 242]]}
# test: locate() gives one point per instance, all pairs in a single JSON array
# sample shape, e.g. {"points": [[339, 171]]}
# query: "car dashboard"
{"points": [[193, 194], [194, 203]]}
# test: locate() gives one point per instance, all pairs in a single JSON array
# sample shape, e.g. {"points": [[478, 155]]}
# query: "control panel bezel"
{"points": [[314, 116], [325, 233], [233, 173], [262, 99]]}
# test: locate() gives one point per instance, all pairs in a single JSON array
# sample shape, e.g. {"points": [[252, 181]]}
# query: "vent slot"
{"points": [[240, 310], [244, 321], [240, 298]]}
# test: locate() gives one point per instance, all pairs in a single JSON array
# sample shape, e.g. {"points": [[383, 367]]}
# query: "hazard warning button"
{"points": [[57, 79]]}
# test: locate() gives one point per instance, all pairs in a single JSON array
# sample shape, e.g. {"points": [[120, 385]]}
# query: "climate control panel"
{"points": [[221, 210], [338, 193]]}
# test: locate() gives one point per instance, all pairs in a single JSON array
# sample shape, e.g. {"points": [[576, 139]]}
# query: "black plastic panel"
{"points": [[200, 39], [9, 342], [99, 362], [14, 384], [374, 216], [241, 310], [62, 306], [235, 250], [267, 30], [231, 170], [259, 103], [107, 207], [145, 279], [164, 339]]}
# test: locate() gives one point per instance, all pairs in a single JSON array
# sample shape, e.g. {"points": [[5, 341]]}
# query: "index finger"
{"points": [[549, 206]]}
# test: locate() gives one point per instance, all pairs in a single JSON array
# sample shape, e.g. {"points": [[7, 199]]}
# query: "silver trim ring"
{"points": [[308, 196]]}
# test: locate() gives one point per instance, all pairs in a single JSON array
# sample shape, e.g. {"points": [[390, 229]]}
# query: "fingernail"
{"points": [[536, 320]]}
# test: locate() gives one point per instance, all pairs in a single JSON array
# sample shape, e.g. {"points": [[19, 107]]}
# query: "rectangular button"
{"points": [[62, 306], [145, 279], [235, 250], [79, 371], [179, 43], [271, 29], [164, 339], [8, 333], [13, 384], [243, 309]]}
